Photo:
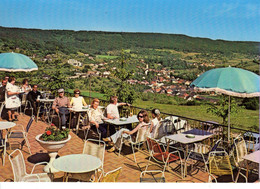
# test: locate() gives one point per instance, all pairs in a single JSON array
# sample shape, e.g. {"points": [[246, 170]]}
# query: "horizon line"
{"points": [[126, 32]]}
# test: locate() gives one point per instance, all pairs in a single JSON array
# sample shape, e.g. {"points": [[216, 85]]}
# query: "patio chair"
{"points": [[162, 156], [240, 152], [19, 169], [111, 176], [95, 148], [87, 130], [22, 134], [3, 147], [28, 106], [53, 114], [152, 173], [219, 165], [201, 152], [141, 137]]}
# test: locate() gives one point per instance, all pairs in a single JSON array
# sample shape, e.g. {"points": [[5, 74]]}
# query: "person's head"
{"points": [[6, 78], [156, 113], [113, 99], [4, 82], [34, 88], [11, 79], [25, 82], [76, 92], [143, 116], [61, 92], [95, 103]]}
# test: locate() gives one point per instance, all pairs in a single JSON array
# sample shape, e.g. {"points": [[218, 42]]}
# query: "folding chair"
{"points": [[3, 146], [111, 176], [22, 133]]}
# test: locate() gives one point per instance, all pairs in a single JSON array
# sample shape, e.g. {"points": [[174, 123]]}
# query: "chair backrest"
{"points": [[241, 150], [153, 176], [18, 165], [214, 148], [29, 123], [112, 176], [142, 133], [166, 127], [97, 150], [153, 146], [219, 163], [24, 97], [155, 133]]}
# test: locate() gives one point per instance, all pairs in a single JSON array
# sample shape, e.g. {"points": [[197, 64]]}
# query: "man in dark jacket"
{"points": [[33, 97], [2, 91]]}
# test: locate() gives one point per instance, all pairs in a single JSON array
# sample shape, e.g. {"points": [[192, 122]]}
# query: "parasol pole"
{"points": [[228, 118]]}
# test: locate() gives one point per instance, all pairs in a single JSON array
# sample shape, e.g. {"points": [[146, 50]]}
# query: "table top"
{"points": [[6, 125], [46, 100], [254, 157], [79, 109], [129, 120], [77, 163], [181, 137]]}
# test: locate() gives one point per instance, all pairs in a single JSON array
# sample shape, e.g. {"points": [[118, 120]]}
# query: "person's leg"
{"points": [[102, 129], [63, 116], [12, 113], [112, 129], [9, 115]]}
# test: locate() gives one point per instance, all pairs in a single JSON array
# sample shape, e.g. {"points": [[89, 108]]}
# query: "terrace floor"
{"points": [[130, 170]]}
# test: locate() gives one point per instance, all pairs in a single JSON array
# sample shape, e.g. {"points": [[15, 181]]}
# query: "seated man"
{"points": [[61, 105], [33, 97], [2, 91], [113, 113]]}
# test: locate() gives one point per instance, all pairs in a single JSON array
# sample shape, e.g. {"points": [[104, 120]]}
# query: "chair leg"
{"points": [[133, 151], [86, 136], [121, 145], [4, 155], [28, 145]]}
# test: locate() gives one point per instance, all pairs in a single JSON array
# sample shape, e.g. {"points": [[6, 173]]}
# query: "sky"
{"points": [[234, 20]]}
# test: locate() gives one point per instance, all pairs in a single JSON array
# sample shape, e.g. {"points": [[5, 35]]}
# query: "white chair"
{"points": [[1, 108], [3, 146], [19, 169], [95, 148], [22, 134], [141, 138], [153, 173], [28, 106]]}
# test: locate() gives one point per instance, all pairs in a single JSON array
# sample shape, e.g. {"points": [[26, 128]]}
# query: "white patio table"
{"points": [[47, 103], [253, 157], [78, 111], [76, 163], [199, 135]]}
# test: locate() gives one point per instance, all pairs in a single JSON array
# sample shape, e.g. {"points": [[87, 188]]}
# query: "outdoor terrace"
{"points": [[130, 170]]}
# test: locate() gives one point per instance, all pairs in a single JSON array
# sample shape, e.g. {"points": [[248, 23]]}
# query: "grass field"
{"points": [[106, 57], [243, 119]]}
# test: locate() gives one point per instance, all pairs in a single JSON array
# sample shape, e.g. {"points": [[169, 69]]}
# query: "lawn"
{"points": [[106, 57], [243, 119]]}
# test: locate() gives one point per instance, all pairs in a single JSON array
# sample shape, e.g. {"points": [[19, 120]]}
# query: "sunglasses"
{"points": [[140, 116]]}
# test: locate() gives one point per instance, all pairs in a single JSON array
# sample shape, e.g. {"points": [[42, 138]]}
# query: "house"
{"points": [[74, 62]]}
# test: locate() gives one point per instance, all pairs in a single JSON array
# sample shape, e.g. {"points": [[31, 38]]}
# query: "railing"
{"points": [[220, 130]]}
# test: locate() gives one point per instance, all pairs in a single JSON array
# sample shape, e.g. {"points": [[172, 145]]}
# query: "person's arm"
{"points": [[68, 102], [123, 104], [151, 128], [84, 102], [92, 120], [72, 101], [134, 130], [54, 105]]}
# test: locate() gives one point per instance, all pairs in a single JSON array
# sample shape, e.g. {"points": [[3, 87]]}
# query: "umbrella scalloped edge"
{"points": [[230, 93], [18, 70]]}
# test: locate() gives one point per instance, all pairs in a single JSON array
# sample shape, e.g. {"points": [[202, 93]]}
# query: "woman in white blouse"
{"points": [[77, 102], [12, 100], [96, 118]]}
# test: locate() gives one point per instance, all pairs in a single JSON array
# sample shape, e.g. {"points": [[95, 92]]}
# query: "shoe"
{"points": [[13, 120], [112, 149], [110, 144], [106, 139]]}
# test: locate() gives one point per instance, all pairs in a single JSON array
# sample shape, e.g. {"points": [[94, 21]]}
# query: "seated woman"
{"points": [[155, 123], [96, 118], [77, 102], [26, 88], [116, 138]]}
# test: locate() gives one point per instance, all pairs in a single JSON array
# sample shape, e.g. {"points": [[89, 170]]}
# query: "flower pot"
{"points": [[52, 147]]}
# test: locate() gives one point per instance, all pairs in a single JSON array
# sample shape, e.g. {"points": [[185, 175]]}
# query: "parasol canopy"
{"points": [[16, 62]]}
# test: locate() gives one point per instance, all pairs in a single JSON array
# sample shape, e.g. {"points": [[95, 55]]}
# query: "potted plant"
{"points": [[53, 140]]}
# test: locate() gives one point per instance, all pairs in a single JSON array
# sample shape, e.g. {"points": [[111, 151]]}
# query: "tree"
{"points": [[125, 92], [221, 110], [58, 78]]}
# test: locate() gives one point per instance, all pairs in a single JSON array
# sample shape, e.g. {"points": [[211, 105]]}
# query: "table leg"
{"points": [[77, 126], [70, 120], [247, 168]]}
